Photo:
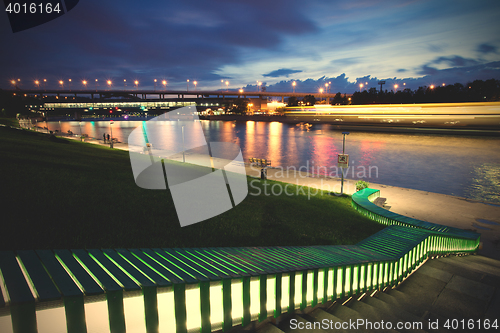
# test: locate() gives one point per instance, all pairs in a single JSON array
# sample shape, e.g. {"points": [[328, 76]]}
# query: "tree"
{"points": [[309, 100], [293, 101], [239, 105]]}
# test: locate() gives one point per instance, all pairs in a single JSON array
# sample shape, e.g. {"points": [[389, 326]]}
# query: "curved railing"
{"points": [[202, 290]]}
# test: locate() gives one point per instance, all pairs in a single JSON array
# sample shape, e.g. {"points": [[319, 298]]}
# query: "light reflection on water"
{"points": [[464, 166]]}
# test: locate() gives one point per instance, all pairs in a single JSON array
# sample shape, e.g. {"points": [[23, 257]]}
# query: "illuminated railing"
{"points": [[202, 290]]}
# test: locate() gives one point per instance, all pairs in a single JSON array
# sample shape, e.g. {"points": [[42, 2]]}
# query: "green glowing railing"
{"points": [[202, 290]]}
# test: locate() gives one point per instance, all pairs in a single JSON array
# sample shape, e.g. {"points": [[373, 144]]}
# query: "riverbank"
{"points": [[482, 217]]}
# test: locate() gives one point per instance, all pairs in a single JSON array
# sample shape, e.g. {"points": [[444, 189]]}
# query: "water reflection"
{"points": [[455, 165]]}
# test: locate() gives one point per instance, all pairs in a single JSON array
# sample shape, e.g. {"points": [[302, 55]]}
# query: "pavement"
{"points": [[448, 210]]}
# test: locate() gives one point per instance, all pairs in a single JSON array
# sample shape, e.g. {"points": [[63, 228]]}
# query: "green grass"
{"points": [[68, 194], [9, 122]]}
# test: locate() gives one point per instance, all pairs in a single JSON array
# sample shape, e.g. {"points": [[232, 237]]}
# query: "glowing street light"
{"points": [[155, 84], [96, 84], [360, 86], [37, 83], [136, 84], [13, 82], [164, 82], [330, 86], [259, 85], [221, 83], [227, 85], [44, 82], [109, 83], [187, 85], [69, 84], [443, 84], [320, 90], [195, 83], [241, 91], [432, 86], [61, 82], [84, 84], [124, 83], [293, 85], [396, 87]]}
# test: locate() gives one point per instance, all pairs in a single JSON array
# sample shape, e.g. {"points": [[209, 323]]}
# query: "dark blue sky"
{"points": [[406, 42]]}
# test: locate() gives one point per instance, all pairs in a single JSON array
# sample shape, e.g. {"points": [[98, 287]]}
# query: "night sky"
{"points": [[417, 43]]}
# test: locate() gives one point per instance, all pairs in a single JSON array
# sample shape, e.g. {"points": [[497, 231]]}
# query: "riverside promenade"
{"points": [[448, 210]]}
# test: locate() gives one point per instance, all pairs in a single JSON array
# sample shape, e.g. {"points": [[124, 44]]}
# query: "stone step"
{"points": [[297, 324], [396, 314]]}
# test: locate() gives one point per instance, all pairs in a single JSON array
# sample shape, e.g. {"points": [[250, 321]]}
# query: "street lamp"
{"points": [[111, 131], [124, 83], [109, 84], [221, 83], [95, 84], [44, 82], [155, 84], [241, 91], [195, 83], [396, 87], [293, 85], [136, 84], [13, 83], [85, 84], [330, 86], [164, 82], [37, 83], [69, 84], [227, 85], [341, 171], [187, 85], [259, 86], [61, 82], [360, 86], [432, 86]]}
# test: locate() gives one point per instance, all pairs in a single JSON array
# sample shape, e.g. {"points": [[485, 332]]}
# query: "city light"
{"points": [[164, 82], [432, 86], [37, 83], [396, 87], [84, 83], [62, 84], [69, 84], [187, 85], [360, 86], [109, 83], [124, 83], [241, 91], [155, 84], [294, 84], [195, 83], [136, 84], [227, 85]]}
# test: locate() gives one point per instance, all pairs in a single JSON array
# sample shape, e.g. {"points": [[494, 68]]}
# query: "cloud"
{"points": [[455, 61], [486, 48], [281, 72], [427, 70], [402, 70], [346, 61]]}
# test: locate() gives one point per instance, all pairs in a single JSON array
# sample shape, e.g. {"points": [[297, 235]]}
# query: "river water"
{"points": [[464, 166]]}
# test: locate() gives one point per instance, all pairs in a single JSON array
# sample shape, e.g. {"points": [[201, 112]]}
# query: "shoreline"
{"points": [[448, 210]]}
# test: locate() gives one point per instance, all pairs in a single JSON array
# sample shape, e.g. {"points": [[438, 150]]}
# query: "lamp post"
{"points": [[155, 84], [124, 83], [136, 84], [293, 85], [342, 171], [85, 84], [195, 83], [164, 82], [221, 83], [111, 131], [109, 84], [37, 83], [44, 82], [69, 84], [62, 84], [95, 84], [187, 85], [360, 86], [227, 85]]}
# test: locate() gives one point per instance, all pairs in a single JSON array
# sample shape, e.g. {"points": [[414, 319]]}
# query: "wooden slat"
{"points": [[100, 274], [16, 284], [145, 269], [210, 272], [176, 266], [42, 282], [90, 287], [62, 279], [137, 275], [125, 280]]}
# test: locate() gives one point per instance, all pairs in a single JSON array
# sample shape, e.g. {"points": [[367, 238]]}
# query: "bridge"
{"points": [[164, 94]]}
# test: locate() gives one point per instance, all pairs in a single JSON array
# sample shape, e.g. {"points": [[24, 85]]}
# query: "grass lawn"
{"points": [[68, 194]]}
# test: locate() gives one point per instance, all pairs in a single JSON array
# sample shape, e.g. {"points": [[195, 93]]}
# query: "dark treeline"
{"points": [[477, 91]]}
